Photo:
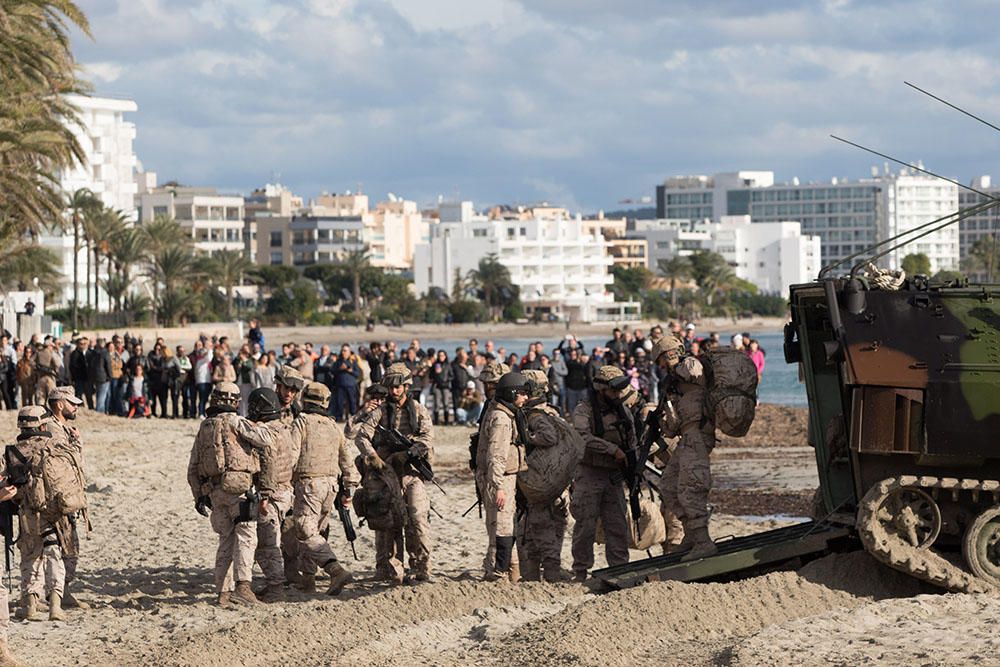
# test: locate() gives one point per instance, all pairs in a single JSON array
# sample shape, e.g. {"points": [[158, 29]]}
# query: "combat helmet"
{"points": [[316, 395], [290, 377], [397, 374], [263, 405], [224, 394], [611, 377], [666, 345], [538, 381], [493, 371], [510, 385], [32, 417]]}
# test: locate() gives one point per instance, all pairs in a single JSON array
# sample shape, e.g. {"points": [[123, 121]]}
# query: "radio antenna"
{"points": [[953, 106]]}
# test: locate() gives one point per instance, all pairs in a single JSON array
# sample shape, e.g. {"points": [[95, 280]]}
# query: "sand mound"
{"points": [[925, 630], [861, 575]]}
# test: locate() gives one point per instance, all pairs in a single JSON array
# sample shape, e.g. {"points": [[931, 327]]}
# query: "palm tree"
{"points": [[720, 279], [229, 268], [24, 264], [127, 249], [159, 236], [675, 269], [81, 203], [170, 267], [100, 226], [492, 278], [354, 263], [36, 138]]}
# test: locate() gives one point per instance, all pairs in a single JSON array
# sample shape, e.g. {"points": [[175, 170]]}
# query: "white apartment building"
{"points": [[771, 255], [107, 171], [214, 221], [848, 216], [666, 239], [559, 269]]}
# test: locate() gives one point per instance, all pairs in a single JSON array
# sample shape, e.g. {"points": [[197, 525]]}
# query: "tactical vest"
{"points": [[515, 449], [222, 459], [321, 443], [276, 472], [405, 420], [614, 425]]}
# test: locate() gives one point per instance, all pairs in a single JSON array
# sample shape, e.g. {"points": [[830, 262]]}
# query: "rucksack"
{"points": [[379, 499], [63, 483], [23, 470], [730, 390], [551, 469]]}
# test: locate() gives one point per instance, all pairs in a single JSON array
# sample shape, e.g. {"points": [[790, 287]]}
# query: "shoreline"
{"points": [[276, 335]]}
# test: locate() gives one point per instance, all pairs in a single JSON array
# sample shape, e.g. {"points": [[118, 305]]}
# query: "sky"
{"points": [[580, 103]]}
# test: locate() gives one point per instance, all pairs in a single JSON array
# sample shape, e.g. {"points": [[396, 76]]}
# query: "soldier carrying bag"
{"points": [[730, 390]]}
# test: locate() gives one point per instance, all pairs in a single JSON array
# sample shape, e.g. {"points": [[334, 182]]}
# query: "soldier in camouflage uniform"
{"points": [[224, 466], [35, 424], [687, 477], [7, 492], [544, 524], [670, 430], [325, 459], [608, 429], [288, 383], [414, 422], [47, 366], [61, 557], [501, 457], [375, 396], [277, 467], [489, 376]]}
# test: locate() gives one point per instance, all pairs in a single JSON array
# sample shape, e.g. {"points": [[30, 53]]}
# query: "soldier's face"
{"points": [[611, 395], [286, 394], [490, 388], [520, 399], [398, 393], [68, 410]]}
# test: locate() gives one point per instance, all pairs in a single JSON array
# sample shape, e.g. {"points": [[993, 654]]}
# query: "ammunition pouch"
{"points": [[236, 483]]}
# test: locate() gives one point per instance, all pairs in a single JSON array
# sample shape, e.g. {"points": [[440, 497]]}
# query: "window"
{"points": [[479, 233], [276, 241], [275, 258], [159, 210]]}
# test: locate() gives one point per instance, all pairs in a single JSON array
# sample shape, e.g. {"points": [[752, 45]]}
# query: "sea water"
{"points": [[780, 383]]}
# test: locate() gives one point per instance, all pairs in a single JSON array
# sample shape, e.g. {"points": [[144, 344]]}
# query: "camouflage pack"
{"points": [[730, 390]]}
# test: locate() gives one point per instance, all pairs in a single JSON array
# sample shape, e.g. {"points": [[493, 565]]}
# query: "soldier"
{"points": [[325, 459], [375, 396], [288, 382], [489, 376], [47, 366], [377, 444], [670, 429], [501, 457], [60, 559], [7, 492], [222, 473], [277, 467], [688, 478], [544, 524], [23, 466], [608, 429]]}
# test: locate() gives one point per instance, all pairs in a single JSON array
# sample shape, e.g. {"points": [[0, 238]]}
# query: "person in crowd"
{"points": [[201, 363], [138, 404], [25, 375], [470, 405], [263, 374], [346, 374], [576, 380], [757, 357], [440, 380]]}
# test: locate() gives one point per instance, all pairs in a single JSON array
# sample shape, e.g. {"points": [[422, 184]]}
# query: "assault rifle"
{"points": [[473, 455], [8, 510], [400, 443], [345, 516]]}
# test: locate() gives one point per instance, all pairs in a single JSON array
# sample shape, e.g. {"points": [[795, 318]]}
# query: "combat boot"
{"points": [[515, 573], [339, 577], [272, 593], [224, 599], [29, 608], [530, 570], [702, 545], [243, 593], [69, 601], [307, 583], [55, 607], [552, 572], [505, 552]]}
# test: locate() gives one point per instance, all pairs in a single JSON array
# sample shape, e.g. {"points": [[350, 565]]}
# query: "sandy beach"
{"points": [[146, 569]]}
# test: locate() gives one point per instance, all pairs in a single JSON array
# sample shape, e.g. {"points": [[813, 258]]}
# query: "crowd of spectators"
{"points": [[120, 377]]}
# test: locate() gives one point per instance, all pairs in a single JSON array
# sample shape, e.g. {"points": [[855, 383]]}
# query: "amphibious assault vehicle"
{"points": [[903, 382]]}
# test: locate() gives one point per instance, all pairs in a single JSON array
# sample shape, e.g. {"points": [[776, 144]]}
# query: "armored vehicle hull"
{"points": [[904, 412]]}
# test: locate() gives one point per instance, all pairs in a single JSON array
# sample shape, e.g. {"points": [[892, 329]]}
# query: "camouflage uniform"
{"points": [[688, 476], [325, 456], [277, 465], [598, 488], [47, 365], [231, 446], [499, 458], [413, 421], [544, 524], [491, 373]]}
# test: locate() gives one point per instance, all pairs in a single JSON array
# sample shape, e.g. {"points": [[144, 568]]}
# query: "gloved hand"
{"points": [[203, 505], [375, 462]]}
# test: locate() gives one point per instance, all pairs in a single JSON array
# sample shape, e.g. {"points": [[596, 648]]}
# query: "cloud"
{"points": [[580, 102]]}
